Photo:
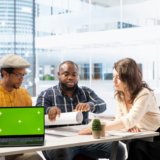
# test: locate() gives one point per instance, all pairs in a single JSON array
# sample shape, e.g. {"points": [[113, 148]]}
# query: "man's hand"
{"points": [[53, 113], [82, 107]]}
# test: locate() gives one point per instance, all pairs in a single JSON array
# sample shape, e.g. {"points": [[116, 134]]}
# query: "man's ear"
{"points": [[4, 73], [58, 75]]}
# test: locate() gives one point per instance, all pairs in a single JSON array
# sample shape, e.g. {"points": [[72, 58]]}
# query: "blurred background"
{"points": [[92, 33]]}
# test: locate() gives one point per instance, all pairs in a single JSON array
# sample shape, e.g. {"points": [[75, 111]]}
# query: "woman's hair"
{"points": [[131, 75]]}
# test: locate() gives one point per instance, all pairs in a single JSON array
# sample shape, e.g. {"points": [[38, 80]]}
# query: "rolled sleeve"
{"points": [[92, 107], [97, 105], [128, 122]]}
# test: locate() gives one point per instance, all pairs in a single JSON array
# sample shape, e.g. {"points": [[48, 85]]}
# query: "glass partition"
{"points": [[92, 33], [95, 34]]}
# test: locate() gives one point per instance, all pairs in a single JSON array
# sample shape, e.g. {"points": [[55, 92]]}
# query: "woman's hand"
{"points": [[85, 131], [134, 129]]}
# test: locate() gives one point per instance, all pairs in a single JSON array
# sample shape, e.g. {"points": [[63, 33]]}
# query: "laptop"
{"points": [[21, 126]]}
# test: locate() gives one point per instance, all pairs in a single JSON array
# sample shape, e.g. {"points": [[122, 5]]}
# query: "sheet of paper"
{"points": [[65, 131], [65, 119], [123, 133]]}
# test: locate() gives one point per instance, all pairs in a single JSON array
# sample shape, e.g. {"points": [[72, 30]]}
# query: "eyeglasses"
{"points": [[18, 75]]}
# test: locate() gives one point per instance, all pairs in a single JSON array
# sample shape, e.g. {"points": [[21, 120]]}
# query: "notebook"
{"points": [[21, 126]]}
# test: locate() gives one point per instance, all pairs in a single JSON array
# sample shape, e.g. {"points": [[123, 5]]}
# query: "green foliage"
{"points": [[96, 125], [48, 77]]}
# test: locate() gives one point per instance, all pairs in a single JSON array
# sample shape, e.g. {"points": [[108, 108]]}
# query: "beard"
{"points": [[68, 89], [16, 86]]}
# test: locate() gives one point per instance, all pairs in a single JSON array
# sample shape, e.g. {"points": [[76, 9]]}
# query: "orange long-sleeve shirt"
{"points": [[15, 98]]}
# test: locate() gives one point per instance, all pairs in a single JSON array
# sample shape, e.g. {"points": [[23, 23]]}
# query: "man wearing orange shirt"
{"points": [[13, 70]]}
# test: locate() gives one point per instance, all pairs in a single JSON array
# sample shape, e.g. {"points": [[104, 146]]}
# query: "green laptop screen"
{"points": [[21, 121]]}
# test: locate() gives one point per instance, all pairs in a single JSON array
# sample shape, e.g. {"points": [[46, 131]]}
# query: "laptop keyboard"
{"points": [[18, 141]]}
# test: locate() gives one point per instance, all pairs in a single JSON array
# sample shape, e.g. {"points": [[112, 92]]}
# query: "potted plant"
{"points": [[96, 128]]}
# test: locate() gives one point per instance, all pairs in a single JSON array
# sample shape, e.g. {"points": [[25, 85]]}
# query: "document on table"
{"points": [[65, 131], [123, 133], [66, 118]]}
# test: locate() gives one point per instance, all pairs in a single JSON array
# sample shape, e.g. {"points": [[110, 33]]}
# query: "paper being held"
{"points": [[65, 118]]}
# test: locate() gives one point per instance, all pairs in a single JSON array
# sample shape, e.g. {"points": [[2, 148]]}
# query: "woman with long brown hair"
{"points": [[137, 109]]}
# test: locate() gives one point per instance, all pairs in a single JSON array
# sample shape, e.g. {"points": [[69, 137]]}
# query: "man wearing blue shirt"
{"points": [[67, 96]]}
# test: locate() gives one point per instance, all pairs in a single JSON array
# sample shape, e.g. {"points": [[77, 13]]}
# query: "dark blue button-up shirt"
{"points": [[54, 97]]}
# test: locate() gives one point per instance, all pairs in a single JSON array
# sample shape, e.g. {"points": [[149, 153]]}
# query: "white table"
{"points": [[53, 141]]}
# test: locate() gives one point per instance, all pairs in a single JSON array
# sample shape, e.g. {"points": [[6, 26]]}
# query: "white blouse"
{"points": [[144, 112]]}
